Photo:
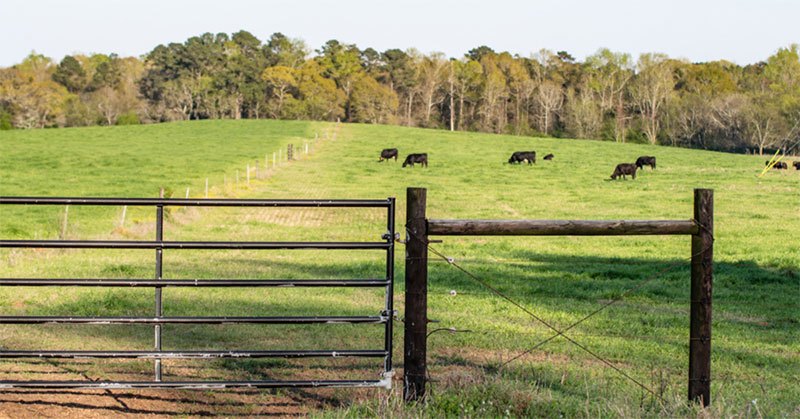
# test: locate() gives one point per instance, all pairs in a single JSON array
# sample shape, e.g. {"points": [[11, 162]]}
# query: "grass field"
{"points": [[756, 346]]}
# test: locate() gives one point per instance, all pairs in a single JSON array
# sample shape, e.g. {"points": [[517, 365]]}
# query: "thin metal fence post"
{"points": [[700, 309], [159, 309], [416, 319]]}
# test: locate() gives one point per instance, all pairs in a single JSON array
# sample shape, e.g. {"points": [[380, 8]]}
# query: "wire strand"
{"points": [[452, 262]]}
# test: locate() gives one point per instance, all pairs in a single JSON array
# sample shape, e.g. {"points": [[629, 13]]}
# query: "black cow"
{"points": [[521, 156], [643, 161], [549, 156], [778, 165], [421, 158], [388, 153], [796, 165], [624, 169]]}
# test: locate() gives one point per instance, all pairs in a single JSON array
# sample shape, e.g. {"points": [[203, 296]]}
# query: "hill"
{"points": [[561, 279]]}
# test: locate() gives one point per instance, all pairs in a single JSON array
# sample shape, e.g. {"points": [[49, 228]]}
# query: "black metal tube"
{"points": [[158, 273], [191, 320], [327, 203], [193, 354], [195, 385], [389, 287], [125, 244], [76, 282]]}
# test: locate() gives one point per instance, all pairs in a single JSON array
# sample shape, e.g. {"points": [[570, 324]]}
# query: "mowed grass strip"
{"points": [[562, 279], [131, 161]]}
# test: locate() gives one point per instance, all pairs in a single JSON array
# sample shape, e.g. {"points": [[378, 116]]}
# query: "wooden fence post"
{"points": [[122, 219], [64, 222], [700, 311], [416, 320]]}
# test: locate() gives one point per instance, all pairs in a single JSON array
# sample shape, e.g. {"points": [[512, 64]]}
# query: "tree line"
{"points": [[609, 96]]}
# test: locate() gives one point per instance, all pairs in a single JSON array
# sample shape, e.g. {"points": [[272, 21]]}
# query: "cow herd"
{"points": [[783, 165], [518, 157], [623, 170], [411, 159], [422, 158], [629, 169]]}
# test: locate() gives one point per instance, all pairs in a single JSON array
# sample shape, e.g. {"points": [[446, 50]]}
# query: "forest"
{"points": [[651, 99]]}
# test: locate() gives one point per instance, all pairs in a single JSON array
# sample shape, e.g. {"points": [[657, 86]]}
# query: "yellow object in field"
{"points": [[771, 163]]}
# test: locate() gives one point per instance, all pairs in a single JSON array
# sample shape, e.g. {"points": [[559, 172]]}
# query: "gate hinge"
{"points": [[386, 379]]}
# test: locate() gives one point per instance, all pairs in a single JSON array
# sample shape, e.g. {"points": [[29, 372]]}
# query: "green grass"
{"points": [[561, 279]]}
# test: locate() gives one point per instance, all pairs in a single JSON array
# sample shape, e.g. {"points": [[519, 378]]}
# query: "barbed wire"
{"points": [[451, 261]]}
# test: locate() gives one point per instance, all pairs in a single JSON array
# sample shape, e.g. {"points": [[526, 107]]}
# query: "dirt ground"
{"points": [[141, 403], [146, 403]]}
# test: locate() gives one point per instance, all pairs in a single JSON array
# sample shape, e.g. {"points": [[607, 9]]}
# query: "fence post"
{"points": [[700, 311], [122, 219], [416, 309], [64, 222]]}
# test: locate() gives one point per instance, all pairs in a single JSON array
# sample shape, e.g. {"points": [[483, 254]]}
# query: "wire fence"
{"points": [[562, 332]]}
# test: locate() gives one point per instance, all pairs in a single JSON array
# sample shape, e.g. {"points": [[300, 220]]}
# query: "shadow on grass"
{"points": [[749, 301]]}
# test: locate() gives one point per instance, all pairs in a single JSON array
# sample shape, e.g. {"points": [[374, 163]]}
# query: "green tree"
{"points": [[70, 74], [342, 63], [319, 99], [280, 80], [29, 94], [400, 74], [281, 50], [372, 102], [468, 76]]}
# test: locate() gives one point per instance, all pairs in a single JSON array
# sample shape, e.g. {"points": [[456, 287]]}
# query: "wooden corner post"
{"points": [[700, 314], [416, 319]]}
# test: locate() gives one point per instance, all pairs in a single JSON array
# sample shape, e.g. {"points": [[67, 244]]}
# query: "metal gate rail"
{"points": [[159, 244]]}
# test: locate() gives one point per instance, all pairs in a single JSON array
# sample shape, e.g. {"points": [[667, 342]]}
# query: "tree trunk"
{"points": [[461, 112], [620, 117], [408, 109], [452, 111]]}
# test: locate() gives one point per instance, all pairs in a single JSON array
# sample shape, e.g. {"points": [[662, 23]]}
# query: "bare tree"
{"points": [[432, 74], [550, 98], [582, 113], [609, 76], [652, 88]]}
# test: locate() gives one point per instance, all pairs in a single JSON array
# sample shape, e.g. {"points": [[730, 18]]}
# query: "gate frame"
{"points": [[158, 283], [419, 228]]}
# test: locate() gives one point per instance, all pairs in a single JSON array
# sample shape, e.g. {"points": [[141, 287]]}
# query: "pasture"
{"points": [[756, 341]]}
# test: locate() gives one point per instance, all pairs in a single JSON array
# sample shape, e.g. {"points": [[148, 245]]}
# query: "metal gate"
{"points": [[386, 244]]}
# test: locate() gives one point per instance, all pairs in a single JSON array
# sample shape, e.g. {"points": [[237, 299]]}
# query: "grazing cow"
{"points": [[624, 169], [778, 165], [796, 165], [549, 156], [643, 161], [387, 154], [421, 158], [521, 156]]}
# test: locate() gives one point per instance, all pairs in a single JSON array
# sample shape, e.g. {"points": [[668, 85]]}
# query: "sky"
{"points": [[742, 31]]}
